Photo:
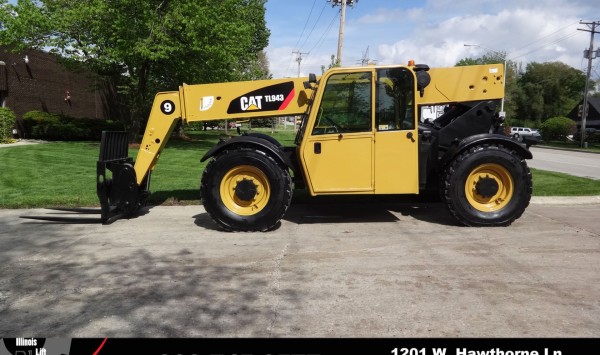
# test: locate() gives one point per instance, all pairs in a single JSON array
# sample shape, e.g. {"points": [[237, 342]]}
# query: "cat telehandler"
{"points": [[360, 133]]}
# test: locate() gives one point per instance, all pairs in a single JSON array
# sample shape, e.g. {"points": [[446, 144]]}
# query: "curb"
{"points": [[564, 149], [21, 142], [565, 200]]}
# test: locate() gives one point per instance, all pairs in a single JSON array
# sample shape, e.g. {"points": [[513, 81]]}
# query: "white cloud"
{"points": [[434, 33], [283, 64], [381, 16], [524, 34]]}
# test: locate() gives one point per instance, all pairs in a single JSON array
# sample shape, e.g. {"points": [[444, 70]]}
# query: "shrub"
{"points": [[43, 125], [558, 128], [7, 123], [34, 119]]}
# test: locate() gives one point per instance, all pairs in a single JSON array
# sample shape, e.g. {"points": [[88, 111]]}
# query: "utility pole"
{"points": [[343, 4], [365, 58], [299, 59], [590, 55]]}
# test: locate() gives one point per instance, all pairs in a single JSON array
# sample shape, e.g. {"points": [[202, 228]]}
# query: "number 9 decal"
{"points": [[167, 107]]}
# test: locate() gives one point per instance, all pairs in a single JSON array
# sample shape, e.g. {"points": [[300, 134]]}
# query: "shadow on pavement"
{"points": [[66, 284], [356, 209], [369, 212]]}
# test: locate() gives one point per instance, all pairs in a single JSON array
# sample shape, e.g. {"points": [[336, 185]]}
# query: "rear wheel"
{"points": [[487, 185], [245, 190]]}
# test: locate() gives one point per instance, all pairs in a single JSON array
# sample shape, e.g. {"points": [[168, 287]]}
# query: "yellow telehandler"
{"points": [[361, 132]]}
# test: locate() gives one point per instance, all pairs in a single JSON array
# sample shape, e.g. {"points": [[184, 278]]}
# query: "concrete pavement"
{"points": [[20, 142], [329, 270]]}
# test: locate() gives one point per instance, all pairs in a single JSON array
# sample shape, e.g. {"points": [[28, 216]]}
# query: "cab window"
{"points": [[395, 100], [346, 104]]}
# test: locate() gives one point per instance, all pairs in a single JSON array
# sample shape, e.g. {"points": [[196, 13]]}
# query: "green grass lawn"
{"points": [[63, 174], [549, 183], [592, 147]]}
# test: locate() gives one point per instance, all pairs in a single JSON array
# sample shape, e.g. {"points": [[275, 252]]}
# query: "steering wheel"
{"points": [[322, 117], [333, 123]]}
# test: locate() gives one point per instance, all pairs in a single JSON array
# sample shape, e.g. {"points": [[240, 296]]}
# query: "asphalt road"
{"points": [[329, 270], [570, 162]]}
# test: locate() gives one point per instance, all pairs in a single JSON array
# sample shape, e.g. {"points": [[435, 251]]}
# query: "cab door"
{"points": [[338, 149], [396, 136]]}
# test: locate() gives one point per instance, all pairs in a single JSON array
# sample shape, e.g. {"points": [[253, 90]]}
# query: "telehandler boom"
{"points": [[360, 133]]}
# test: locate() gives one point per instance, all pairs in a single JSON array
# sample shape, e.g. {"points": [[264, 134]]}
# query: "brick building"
{"points": [[36, 80]]}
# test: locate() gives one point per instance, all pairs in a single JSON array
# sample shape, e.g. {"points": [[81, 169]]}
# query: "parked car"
{"points": [[529, 136], [517, 132]]}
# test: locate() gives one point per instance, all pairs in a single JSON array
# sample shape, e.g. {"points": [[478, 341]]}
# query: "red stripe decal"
{"points": [[100, 348], [287, 101]]}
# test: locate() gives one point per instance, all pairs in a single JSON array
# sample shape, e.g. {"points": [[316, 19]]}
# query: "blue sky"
{"points": [[432, 32]]}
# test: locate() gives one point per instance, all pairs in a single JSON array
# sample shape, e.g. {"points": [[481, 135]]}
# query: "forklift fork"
{"points": [[119, 193]]}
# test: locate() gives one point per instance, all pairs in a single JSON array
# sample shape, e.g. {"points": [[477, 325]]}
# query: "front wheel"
{"points": [[487, 185], [245, 190]]}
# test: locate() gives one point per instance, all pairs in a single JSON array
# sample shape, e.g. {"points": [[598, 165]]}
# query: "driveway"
{"points": [[329, 270]]}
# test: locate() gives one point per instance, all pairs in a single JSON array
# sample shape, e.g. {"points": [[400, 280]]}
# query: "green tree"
{"points": [[145, 46], [549, 90], [334, 64], [530, 102], [489, 58]]}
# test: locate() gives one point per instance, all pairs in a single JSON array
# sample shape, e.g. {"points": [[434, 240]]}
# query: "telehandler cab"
{"points": [[360, 133]]}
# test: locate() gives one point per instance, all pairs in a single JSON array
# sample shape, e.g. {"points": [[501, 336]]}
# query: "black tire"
{"points": [[499, 186], [226, 199]]}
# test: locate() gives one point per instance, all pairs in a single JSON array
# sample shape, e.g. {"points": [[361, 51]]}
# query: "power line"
{"points": [[299, 38], [305, 24], [319, 43], [544, 45], [546, 36], [313, 28]]}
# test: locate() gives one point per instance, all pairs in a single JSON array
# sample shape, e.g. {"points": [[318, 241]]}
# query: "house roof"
{"points": [[593, 117], [594, 102]]}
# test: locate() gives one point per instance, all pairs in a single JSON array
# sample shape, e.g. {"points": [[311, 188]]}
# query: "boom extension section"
{"points": [[123, 185]]}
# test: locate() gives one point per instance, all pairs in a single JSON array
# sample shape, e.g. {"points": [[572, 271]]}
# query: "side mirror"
{"points": [[423, 77], [312, 79]]}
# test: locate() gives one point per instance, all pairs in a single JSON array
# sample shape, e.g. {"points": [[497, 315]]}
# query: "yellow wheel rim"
{"points": [[491, 201], [250, 203]]}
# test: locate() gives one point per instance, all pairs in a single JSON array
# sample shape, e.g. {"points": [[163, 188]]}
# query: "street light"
{"points": [[503, 54]]}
